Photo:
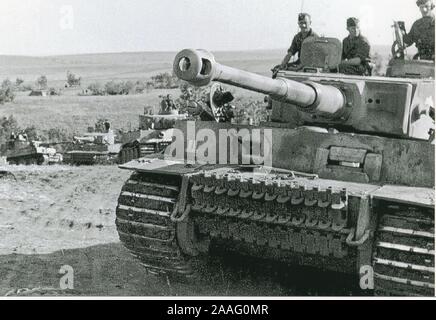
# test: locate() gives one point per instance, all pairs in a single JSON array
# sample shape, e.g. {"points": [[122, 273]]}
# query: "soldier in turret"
{"points": [[422, 32], [305, 25], [222, 109], [222, 100], [167, 105], [355, 50]]}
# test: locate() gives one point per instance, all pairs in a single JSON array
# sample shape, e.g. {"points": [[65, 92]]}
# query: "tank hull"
{"points": [[31, 155], [169, 213], [91, 154]]}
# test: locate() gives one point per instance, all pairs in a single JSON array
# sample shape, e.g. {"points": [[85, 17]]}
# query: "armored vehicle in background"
{"points": [[349, 185], [95, 148], [153, 136], [22, 151]]}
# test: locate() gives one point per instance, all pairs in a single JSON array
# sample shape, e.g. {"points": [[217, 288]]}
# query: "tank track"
{"points": [[276, 215], [143, 220], [92, 159], [27, 160], [128, 154], [404, 251]]}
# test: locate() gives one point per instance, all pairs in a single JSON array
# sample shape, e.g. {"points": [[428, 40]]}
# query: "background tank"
{"points": [[153, 136], [349, 186], [95, 148], [21, 151]]}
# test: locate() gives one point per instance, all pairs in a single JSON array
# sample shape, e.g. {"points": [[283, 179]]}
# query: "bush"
{"points": [[7, 91], [165, 81], [96, 89], [58, 135], [19, 82], [72, 79], [41, 82], [139, 87], [20, 86], [7, 126], [115, 88], [255, 110]]}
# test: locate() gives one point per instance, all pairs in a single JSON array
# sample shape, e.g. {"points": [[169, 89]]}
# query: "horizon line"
{"points": [[145, 51]]}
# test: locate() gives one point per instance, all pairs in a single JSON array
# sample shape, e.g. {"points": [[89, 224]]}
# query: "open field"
{"points": [[122, 66], [75, 113]]}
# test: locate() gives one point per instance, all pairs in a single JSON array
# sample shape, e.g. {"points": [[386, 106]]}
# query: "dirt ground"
{"points": [[60, 215]]}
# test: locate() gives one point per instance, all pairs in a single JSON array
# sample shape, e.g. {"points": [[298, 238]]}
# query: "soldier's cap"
{"points": [[352, 22], [422, 2], [302, 16]]}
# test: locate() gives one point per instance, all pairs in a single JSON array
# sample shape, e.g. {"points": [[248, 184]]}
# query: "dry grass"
{"points": [[75, 113]]}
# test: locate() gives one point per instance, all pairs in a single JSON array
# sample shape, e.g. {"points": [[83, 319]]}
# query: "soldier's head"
{"points": [[353, 27], [304, 22], [425, 6]]}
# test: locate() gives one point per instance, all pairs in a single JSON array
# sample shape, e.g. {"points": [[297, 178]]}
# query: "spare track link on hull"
{"points": [[144, 224], [128, 154], [404, 251]]}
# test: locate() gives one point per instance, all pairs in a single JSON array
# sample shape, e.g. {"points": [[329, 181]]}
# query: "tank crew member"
{"points": [[167, 105], [422, 32], [305, 25], [222, 99], [22, 136], [224, 111], [355, 51]]}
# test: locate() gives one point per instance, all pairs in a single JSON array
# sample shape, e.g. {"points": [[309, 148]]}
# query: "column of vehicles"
{"points": [[100, 145]]}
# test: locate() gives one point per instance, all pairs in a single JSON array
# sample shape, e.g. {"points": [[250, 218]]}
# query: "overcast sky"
{"points": [[48, 27]]}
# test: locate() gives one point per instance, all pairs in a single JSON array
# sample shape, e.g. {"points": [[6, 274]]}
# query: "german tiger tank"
{"points": [[153, 136], [92, 148], [341, 178], [21, 151]]}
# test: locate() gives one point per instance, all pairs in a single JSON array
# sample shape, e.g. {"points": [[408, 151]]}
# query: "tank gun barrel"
{"points": [[199, 68]]}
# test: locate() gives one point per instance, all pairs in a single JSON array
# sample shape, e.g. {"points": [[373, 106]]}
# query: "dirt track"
{"points": [[60, 215]]}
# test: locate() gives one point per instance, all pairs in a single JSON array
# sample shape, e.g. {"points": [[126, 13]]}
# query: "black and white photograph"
{"points": [[163, 149]]}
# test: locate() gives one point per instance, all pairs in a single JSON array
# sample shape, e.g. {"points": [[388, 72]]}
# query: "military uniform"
{"points": [[422, 34], [297, 42], [355, 47]]}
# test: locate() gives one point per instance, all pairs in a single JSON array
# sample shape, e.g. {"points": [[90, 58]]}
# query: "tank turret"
{"points": [[398, 107]]}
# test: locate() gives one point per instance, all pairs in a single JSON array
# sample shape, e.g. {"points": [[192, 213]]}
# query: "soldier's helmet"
{"points": [[422, 2]]}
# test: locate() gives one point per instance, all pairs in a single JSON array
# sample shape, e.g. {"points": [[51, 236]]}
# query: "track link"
{"points": [[128, 154], [144, 223], [404, 251]]}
